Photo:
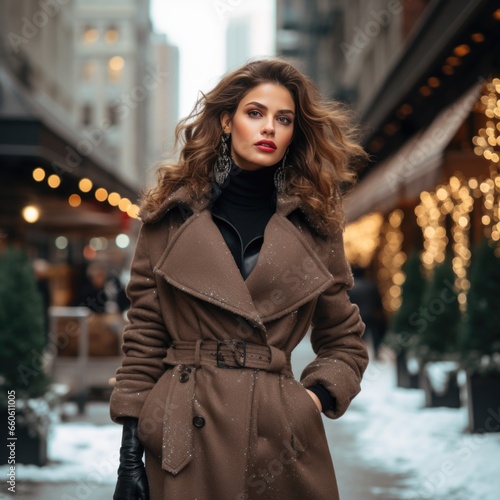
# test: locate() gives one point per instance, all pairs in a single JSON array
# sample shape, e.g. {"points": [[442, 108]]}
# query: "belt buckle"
{"points": [[240, 357]]}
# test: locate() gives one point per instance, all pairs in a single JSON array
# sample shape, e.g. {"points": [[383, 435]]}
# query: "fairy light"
{"points": [[85, 185], [391, 259], [361, 239], [133, 211], [461, 244], [430, 218], [39, 174], [490, 194], [455, 200], [114, 199], [487, 141], [124, 204], [54, 181], [101, 194]]}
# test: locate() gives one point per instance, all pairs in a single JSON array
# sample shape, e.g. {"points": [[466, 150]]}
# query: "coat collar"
{"points": [[288, 274], [181, 197], [178, 198]]}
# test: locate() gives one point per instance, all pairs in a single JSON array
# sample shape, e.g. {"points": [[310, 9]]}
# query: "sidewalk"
{"points": [[386, 447]]}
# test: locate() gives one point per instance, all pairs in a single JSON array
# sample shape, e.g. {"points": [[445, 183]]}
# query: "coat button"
{"points": [[198, 422], [184, 377]]}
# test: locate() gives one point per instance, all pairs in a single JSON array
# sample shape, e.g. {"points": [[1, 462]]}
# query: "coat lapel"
{"points": [[289, 272], [198, 261]]}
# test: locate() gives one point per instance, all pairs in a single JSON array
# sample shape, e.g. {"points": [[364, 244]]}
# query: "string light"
{"points": [[114, 199], [101, 194], [391, 259], [455, 200], [39, 174], [361, 238], [54, 181], [31, 214], [75, 200], [431, 218], [487, 141], [85, 185]]}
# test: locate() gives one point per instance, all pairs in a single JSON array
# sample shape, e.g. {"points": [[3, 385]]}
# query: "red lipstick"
{"points": [[266, 146]]}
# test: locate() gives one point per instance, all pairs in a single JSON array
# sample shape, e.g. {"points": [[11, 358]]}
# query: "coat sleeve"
{"points": [[341, 354], [145, 338]]}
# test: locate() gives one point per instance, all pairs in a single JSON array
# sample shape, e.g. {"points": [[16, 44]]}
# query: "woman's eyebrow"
{"points": [[263, 107]]}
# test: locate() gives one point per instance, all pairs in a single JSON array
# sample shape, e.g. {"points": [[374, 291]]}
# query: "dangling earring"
{"points": [[280, 175], [223, 163]]}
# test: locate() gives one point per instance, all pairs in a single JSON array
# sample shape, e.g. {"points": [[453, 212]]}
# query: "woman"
{"points": [[239, 252]]}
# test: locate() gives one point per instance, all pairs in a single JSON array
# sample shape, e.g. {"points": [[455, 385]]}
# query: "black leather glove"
{"points": [[132, 481]]}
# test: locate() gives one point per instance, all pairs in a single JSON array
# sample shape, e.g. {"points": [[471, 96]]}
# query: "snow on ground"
{"points": [[430, 445], [77, 452], [394, 434]]}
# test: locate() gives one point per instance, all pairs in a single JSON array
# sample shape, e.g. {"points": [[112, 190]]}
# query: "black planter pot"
{"points": [[483, 402], [449, 398], [30, 448], [404, 378]]}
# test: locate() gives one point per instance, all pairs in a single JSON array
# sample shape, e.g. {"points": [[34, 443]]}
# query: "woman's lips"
{"points": [[266, 146]]}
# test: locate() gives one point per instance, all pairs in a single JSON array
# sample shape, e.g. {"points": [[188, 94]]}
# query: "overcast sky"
{"points": [[198, 28]]}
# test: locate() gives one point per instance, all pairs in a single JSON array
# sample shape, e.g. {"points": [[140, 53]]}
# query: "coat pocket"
{"points": [[305, 418], [165, 422]]}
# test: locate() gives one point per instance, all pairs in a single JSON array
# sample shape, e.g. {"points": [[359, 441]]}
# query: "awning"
{"points": [[415, 167], [30, 130], [32, 136]]}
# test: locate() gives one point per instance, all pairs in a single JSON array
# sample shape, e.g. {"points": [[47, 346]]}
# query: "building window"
{"points": [[86, 115], [115, 68], [90, 34], [113, 115], [111, 35], [89, 70]]}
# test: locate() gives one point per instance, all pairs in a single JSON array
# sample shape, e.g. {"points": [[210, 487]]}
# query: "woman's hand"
{"points": [[132, 483], [316, 400]]}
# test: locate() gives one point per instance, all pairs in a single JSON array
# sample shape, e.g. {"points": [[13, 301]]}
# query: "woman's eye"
{"points": [[285, 120], [253, 113]]}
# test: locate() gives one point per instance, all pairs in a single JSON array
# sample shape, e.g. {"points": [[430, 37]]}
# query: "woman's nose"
{"points": [[268, 127]]}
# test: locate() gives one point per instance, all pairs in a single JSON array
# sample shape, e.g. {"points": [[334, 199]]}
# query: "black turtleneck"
{"points": [[247, 201]]}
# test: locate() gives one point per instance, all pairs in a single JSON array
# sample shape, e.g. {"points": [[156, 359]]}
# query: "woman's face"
{"points": [[262, 126]]}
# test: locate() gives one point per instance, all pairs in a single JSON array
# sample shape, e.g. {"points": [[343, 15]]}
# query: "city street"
{"points": [[385, 447], [225, 168]]}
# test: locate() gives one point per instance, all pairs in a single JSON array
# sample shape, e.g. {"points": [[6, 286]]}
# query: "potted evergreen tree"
{"points": [[23, 381], [403, 326], [436, 344], [480, 340]]}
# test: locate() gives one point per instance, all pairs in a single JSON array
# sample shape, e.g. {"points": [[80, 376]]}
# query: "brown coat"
{"points": [[218, 433]]}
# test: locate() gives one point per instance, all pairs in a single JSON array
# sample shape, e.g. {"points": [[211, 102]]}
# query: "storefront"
{"points": [[60, 199], [434, 184]]}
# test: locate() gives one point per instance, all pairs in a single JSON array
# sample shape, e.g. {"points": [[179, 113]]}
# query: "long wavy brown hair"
{"points": [[321, 156]]}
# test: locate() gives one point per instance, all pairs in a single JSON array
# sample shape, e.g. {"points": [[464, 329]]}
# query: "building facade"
{"points": [[81, 92], [422, 78]]}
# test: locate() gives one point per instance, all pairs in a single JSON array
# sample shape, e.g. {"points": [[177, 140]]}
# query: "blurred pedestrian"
{"points": [[240, 250], [366, 296], [41, 268], [102, 291]]}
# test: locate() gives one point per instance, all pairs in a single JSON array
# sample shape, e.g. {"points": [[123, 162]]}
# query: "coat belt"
{"points": [[177, 443], [230, 353]]}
